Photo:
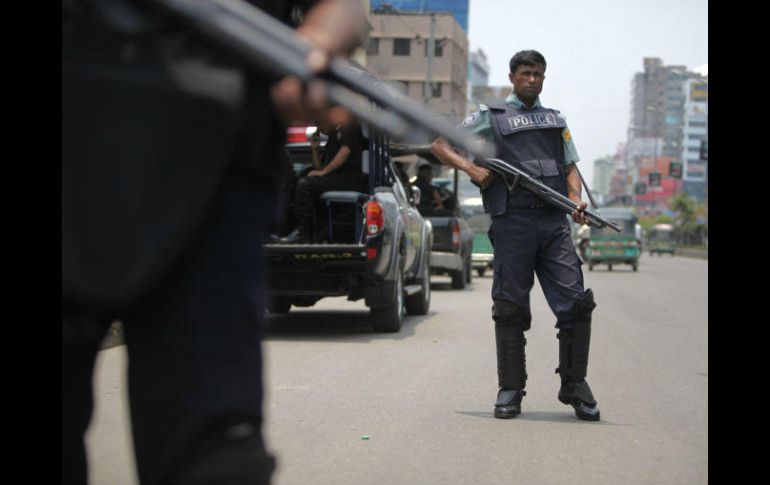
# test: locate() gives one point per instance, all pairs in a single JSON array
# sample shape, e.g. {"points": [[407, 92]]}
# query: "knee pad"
{"points": [[584, 307], [505, 313]]}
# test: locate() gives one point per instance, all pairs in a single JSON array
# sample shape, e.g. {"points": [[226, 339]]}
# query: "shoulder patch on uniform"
{"points": [[471, 118], [483, 107], [566, 135]]}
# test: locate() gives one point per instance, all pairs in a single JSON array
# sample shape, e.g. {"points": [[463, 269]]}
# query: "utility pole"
{"points": [[428, 88]]}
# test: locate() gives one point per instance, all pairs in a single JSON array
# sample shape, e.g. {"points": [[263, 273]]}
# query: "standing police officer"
{"points": [[532, 237]]}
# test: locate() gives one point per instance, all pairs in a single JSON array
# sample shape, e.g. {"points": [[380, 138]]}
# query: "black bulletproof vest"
{"points": [[531, 140]]}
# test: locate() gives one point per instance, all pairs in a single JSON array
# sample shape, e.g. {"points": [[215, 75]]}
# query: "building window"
{"points": [[374, 47], [438, 49], [436, 90], [401, 47]]}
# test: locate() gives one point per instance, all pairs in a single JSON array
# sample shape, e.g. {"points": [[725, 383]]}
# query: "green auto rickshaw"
{"points": [[660, 239], [608, 247]]}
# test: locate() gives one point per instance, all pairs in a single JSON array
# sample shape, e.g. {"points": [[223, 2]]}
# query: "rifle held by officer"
{"points": [[543, 192], [270, 45]]}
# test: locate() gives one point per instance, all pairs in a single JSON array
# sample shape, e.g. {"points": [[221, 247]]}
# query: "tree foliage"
{"points": [[687, 210]]}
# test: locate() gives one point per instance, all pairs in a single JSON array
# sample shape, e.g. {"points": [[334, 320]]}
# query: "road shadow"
{"points": [[566, 417], [333, 325], [446, 285]]}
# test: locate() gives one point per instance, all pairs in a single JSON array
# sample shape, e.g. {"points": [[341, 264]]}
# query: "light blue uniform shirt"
{"points": [[479, 123]]}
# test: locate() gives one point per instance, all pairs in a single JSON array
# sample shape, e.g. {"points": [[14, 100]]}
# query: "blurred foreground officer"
{"points": [[168, 146], [530, 237]]}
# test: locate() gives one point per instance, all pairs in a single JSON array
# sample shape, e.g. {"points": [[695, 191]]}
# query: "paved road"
{"points": [[424, 397]]}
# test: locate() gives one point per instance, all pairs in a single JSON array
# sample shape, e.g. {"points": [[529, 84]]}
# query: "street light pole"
{"points": [[428, 88]]}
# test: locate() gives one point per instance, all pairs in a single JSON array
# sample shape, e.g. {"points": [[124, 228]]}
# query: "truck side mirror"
{"points": [[416, 195]]}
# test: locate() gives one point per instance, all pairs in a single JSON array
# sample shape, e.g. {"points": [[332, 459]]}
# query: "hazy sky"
{"points": [[592, 48]]}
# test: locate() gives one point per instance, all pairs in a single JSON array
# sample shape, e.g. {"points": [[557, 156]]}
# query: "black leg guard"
{"points": [[573, 361], [510, 322]]}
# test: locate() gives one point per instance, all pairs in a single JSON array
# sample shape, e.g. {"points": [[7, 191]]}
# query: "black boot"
{"points": [[573, 361], [510, 322], [579, 396], [508, 404]]}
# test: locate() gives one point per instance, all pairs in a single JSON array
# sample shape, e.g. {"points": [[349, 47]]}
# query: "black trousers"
{"points": [[536, 241], [310, 188], [195, 359]]}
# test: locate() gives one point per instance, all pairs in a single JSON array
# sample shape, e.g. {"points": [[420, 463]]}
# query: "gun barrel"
{"points": [[544, 192], [275, 47]]}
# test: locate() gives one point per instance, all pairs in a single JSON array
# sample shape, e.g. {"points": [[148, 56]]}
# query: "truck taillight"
{"points": [[296, 134], [374, 218], [455, 234]]}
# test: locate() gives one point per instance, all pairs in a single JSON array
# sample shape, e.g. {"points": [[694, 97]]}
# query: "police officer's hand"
{"points": [[332, 28], [578, 215], [482, 176], [315, 140], [316, 173]]}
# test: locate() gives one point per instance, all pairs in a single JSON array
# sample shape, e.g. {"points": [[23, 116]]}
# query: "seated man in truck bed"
{"points": [[430, 196], [340, 169]]}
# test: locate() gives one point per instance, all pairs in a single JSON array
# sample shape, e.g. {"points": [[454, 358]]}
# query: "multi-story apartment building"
{"points": [[695, 131], [458, 8], [398, 53], [478, 71], [604, 169], [478, 68], [657, 102], [657, 125]]}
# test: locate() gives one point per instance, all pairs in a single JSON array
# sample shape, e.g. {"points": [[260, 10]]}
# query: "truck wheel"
{"points": [[279, 304], [590, 267], [636, 267], [481, 271], [609, 267], [390, 318], [458, 278], [468, 270], [419, 303]]}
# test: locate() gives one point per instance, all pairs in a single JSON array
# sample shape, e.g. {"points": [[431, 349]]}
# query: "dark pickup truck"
{"points": [[371, 245], [452, 245]]}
